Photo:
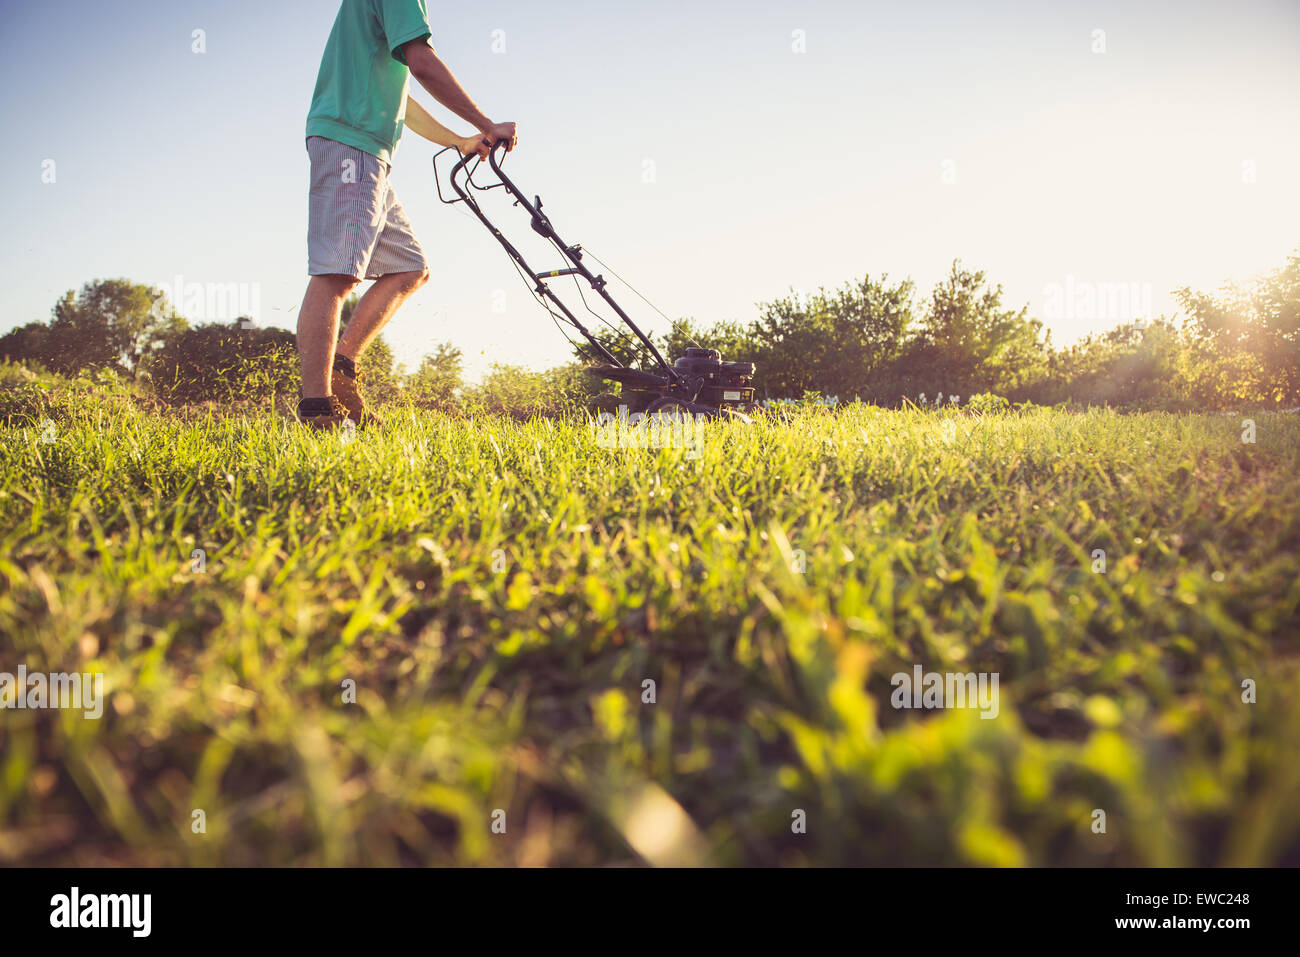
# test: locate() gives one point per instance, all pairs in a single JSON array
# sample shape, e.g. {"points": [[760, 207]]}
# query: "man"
{"points": [[356, 227]]}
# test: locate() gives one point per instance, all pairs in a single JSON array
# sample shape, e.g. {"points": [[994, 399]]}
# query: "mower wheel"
{"points": [[669, 405]]}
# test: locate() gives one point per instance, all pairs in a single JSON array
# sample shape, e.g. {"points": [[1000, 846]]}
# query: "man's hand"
{"points": [[502, 131], [474, 144], [482, 143]]}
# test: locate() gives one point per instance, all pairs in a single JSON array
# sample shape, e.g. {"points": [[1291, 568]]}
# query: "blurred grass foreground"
{"points": [[486, 641]]}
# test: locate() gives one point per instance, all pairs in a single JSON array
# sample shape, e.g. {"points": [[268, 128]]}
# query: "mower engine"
{"points": [[718, 383], [701, 384]]}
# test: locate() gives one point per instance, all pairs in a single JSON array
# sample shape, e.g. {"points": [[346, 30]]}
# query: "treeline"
{"points": [[877, 341], [873, 340], [130, 330]]}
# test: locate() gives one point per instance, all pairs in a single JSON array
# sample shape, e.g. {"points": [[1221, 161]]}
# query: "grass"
{"points": [[500, 593]]}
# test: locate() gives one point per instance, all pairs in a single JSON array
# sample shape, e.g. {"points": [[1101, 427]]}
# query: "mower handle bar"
{"points": [[542, 226]]}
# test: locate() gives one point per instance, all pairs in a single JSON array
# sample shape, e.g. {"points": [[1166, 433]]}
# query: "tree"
{"points": [[1127, 365], [1254, 331], [29, 344], [970, 343], [830, 342], [438, 380], [109, 323]]}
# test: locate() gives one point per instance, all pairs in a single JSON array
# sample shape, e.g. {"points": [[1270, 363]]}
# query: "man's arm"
{"points": [[420, 122], [434, 76]]}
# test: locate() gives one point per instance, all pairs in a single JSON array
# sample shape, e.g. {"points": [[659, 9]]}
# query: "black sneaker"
{"points": [[322, 414]]}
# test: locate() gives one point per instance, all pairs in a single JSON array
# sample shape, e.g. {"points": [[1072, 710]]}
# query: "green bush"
{"points": [[219, 362], [523, 393], [437, 383], [986, 403], [32, 399]]}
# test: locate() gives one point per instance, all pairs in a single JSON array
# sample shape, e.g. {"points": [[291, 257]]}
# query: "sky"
{"points": [[1091, 157]]}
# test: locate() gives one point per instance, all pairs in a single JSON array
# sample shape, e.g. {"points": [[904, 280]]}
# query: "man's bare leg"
{"points": [[318, 328], [376, 307]]}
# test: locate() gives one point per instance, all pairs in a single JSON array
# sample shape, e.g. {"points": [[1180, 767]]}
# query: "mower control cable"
{"points": [[539, 288], [541, 224]]}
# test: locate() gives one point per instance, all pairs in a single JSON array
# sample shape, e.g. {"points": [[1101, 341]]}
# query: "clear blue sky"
{"points": [[773, 169]]}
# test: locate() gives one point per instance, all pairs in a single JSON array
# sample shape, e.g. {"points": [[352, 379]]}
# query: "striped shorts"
{"points": [[355, 225]]}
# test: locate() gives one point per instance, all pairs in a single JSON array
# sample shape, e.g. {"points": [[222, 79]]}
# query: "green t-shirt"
{"points": [[360, 96]]}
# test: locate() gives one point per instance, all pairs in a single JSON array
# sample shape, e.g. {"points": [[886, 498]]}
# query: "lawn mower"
{"points": [[698, 382]]}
